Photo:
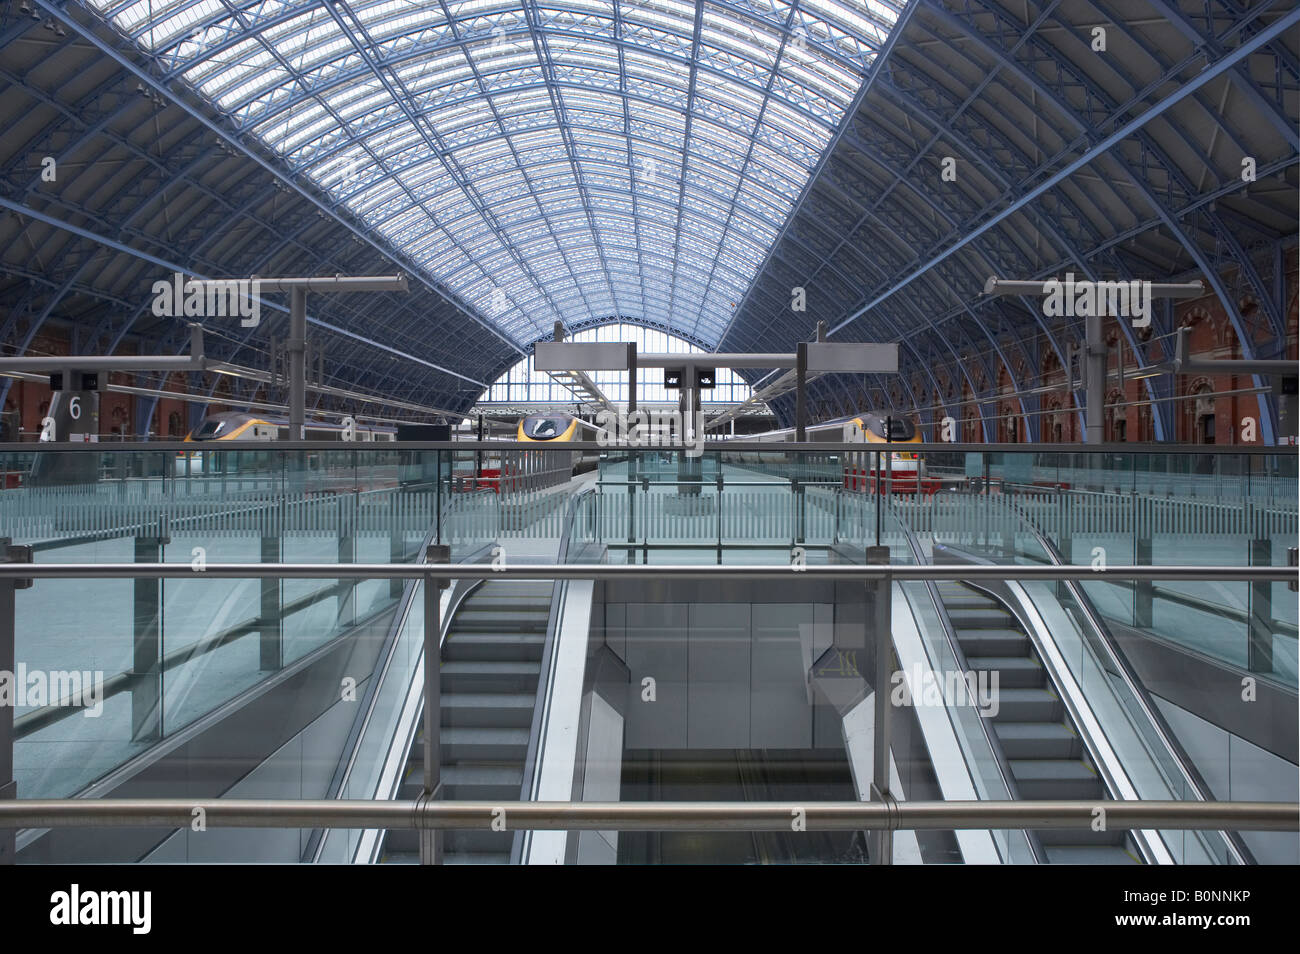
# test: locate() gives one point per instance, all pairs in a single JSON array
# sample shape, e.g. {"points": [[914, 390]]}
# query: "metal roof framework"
{"points": [[501, 154]]}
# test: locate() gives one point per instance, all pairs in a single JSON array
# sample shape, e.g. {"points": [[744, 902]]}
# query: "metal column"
{"points": [[271, 617], [8, 786], [431, 839], [1144, 591], [690, 470], [297, 349], [1094, 381], [880, 637], [800, 392], [347, 553], [631, 454], [1259, 649], [146, 662]]}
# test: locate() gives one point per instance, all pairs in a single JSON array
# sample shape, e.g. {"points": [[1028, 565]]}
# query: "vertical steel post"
{"points": [[689, 469], [395, 539], [1285, 391], [1094, 381], [271, 645], [719, 482], [800, 433], [431, 839], [347, 553], [631, 453], [478, 454], [437, 493], [1259, 648], [8, 786], [889, 465], [880, 638], [1144, 591], [800, 394], [875, 486], [296, 346], [147, 652]]}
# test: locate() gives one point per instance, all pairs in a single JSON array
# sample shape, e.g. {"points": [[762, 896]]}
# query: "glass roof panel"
{"points": [[584, 156]]}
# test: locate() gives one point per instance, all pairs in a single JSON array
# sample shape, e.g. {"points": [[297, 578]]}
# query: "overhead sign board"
{"points": [[580, 356], [853, 357], [705, 378]]}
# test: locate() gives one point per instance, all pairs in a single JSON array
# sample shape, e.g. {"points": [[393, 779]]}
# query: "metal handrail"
{"points": [[950, 635], [423, 814], [776, 447], [343, 773], [843, 573], [1124, 668], [545, 683]]}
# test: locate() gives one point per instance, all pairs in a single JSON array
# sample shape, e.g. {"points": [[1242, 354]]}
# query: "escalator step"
{"points": [[540, 602], [476, 841], [1027, 705], [505, 647], [993, 617], [462, 744], [488, 709], [480, 780], [1081, 837], [1055, 779], [476, 858], [489, 675], [1088, 855], [495, 588], [968, 600], [497, 622], [1038, 740], [1014, 672], [993, 642]]}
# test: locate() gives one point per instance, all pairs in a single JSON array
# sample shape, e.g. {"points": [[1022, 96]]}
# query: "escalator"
{"points": [[491, 661], [1042, 747]]}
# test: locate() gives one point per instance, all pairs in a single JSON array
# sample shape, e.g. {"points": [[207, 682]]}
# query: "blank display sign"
{"points": [[580, 356], [853, 357]]}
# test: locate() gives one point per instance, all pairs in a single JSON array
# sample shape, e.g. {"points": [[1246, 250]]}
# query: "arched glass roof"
{"points": [[543, 161]]}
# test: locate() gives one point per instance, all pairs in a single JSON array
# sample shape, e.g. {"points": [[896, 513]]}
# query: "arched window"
{"points": [[523, 384], [1203, 415]]}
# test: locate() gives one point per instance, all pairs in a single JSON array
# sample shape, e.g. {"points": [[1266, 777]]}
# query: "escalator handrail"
{"points": [[368, 702], [950, 634], [407, 733], [541, 704], [1191, 776]]}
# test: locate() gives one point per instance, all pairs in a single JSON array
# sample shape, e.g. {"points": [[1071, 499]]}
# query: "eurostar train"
{"points": [[906, 469], [515, 469], [240, 427]]}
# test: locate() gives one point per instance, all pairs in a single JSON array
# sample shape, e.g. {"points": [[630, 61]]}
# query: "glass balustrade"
{"points": [[169, 653]]}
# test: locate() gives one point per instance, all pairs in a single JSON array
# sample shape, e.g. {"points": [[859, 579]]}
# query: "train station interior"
{"points": [[649, 432]]}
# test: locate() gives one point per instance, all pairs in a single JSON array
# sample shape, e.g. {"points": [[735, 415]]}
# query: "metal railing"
{"points": [[426, 815], [606, 571], [882, 815]]}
